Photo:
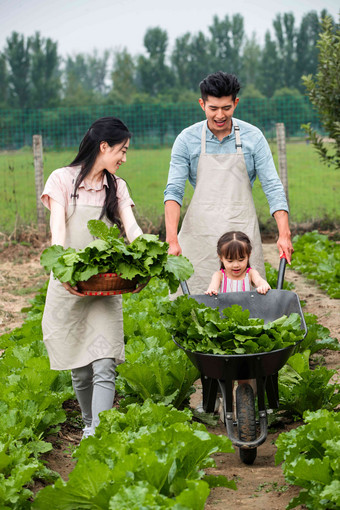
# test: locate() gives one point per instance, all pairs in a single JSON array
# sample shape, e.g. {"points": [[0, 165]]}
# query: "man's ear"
{"points": [[201, 102]]}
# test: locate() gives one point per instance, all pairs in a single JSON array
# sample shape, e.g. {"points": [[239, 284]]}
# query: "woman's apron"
{"points": [[222, 202], [79, 330]]}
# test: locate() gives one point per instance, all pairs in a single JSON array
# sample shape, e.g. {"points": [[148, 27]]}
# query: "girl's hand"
{"points": [[72, 290], [214, 284], [211, 291], [263, 288]]}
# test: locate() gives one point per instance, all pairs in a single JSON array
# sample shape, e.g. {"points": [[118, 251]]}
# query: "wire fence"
{"points": [[152, 126]]}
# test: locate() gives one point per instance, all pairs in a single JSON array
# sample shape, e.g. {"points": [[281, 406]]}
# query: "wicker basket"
{"points": [[106, 284]]}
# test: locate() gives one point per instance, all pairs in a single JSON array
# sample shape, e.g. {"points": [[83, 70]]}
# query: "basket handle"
{"points": [[281, 273]]}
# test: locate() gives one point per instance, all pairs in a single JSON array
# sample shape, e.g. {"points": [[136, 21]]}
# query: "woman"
{"points": [[85, 334]]}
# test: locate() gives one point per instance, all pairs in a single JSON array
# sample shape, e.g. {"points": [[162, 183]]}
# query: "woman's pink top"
{"points": [[60, 187], [229, 285]]}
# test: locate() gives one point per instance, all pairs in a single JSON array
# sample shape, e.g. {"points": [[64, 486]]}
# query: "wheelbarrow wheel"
{"points": [[246, 420]]}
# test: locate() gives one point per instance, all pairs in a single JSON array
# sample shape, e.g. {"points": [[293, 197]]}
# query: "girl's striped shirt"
{"points": [[228, 285]]}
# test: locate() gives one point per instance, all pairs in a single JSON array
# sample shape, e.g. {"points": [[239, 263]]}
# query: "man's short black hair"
{"points": [[220, 84]]}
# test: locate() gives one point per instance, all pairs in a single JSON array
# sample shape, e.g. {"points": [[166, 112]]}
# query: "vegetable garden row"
{"points": [[149, 453]]}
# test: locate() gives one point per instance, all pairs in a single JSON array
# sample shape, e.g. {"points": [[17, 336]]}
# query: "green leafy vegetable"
{"points": [[319, 259], [150, 454], [143, 259], [197, 327], [302, 389], [311, 460]]}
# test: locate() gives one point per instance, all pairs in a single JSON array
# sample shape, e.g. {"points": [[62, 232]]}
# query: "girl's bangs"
{"points": [[235, 250]]}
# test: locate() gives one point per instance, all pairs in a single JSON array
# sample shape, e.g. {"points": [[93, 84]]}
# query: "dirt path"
{"points": [[261, 486]]}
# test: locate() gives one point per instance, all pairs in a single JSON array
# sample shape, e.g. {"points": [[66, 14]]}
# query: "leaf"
{"points": [[144, 258]]}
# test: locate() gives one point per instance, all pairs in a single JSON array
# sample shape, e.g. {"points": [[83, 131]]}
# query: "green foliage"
{"points": [[319, 259], [296, 107], [271, 277], [311, 460], [151, 454], [302, 389], [317, 337], [199, 328], [144, 258], [31, 406], [139, 78], [154, 367], [323, 91]]}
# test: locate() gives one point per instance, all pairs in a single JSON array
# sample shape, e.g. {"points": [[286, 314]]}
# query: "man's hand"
{"points": [[284, 242], [285, 246], [172, 215]]}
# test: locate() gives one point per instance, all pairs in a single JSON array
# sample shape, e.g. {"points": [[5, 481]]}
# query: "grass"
{"points": [[313, 187]]}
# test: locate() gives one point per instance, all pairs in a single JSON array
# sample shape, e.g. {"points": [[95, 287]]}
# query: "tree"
{"points": [[44, 72], [286, 37], [227, 40], [191, 60], [182, 59], [85, 81], [3, 82], [269, 67], [250, 62], [323, 91], [18, 59], [123, 78], [290, 107], [97, 70], [153, 74], [306, 47]]}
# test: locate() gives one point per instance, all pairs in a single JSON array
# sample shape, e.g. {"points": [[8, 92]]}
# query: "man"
{"points": [[221, 157]]}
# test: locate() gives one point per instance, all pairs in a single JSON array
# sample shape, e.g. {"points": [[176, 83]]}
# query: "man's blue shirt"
{"points": [[259, 161]]}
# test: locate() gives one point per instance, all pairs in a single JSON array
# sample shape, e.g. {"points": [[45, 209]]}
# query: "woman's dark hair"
{"points": [[220, 84], [234, 245], [114, 132]]}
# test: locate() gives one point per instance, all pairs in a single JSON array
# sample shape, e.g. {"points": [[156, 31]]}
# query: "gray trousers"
{"points": [[94, 386]]}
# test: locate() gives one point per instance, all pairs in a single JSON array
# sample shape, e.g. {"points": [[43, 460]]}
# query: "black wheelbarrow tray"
{"points": [[222, 370]]}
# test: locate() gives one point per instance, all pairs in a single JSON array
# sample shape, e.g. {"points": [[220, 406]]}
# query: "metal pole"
{"points": [[281, 146], [39, 178]]}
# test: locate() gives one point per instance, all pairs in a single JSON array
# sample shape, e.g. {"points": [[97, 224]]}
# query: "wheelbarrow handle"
{"points": [[281, 272]]}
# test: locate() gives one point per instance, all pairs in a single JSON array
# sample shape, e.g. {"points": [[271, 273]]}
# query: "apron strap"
{"points": [[238, 143]]}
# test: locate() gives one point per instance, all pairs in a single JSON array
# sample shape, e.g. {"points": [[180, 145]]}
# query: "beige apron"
{"points": [[80, 330], [222, 202]]}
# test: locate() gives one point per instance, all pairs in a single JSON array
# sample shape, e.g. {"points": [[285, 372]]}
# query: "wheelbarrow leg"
{"points": [[209, 389], [272, 390]]}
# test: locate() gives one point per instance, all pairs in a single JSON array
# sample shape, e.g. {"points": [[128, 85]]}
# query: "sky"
{"points": [[80, 26]]}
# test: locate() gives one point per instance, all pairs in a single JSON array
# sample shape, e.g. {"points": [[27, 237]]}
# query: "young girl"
{"points": [[235, 275], [85, 334]]}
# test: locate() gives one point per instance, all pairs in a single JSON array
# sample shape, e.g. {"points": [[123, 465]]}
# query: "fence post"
{"points": [[281, 147], [39, 178]]}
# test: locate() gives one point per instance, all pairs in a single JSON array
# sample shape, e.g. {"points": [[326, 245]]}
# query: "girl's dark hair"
{"points": [[114, 132], [220, 84], [234, 245]]}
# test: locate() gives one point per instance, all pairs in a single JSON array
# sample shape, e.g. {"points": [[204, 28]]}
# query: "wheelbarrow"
{"points": [[222, 370]]}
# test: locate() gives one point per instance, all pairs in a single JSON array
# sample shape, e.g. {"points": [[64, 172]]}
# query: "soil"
{"points": [[259, 486]]}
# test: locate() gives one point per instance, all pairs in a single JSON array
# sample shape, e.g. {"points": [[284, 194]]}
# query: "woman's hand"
{"points": [[72, 290], [139, 288]]}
